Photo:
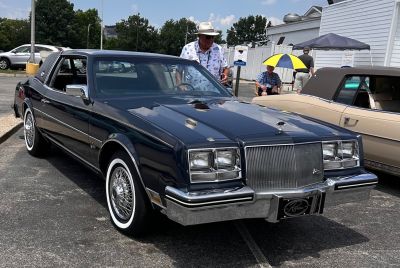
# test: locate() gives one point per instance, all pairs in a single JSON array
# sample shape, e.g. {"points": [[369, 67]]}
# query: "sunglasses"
{"points": [[208, 36]]}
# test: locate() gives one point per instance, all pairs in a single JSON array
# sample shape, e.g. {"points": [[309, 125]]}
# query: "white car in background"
{"points": [[18, 57]]}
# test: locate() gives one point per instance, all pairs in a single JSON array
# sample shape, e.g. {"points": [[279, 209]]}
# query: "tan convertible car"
{"points": [[365, 100]]}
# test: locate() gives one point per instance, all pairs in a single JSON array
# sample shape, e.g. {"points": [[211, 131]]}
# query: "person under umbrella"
{"points": [[269, 82]]}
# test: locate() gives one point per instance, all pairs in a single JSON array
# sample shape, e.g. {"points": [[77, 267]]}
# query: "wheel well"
{"points": [[24, 109], [106, 153]]}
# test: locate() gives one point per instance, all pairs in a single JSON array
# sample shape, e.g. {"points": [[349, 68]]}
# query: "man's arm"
{"points": [[312, 67]]}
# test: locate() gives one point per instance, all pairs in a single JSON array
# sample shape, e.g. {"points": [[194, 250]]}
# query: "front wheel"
{"points": [[4, 64], [35, 143], [126, 198]]}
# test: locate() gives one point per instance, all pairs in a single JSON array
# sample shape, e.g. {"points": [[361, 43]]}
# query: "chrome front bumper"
{"points": [[189, 208]]}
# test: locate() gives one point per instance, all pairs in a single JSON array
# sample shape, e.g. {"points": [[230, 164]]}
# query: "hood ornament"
{"points": [[280, 125]]}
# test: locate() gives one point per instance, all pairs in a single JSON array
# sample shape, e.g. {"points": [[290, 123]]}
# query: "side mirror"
{"points": [[77, 91]]}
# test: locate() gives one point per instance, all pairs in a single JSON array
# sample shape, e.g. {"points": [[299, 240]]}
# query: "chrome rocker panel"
{"points": [[190, 208]]}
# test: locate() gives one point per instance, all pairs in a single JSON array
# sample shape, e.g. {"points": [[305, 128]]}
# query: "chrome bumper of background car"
{"points": [[189, 208]]}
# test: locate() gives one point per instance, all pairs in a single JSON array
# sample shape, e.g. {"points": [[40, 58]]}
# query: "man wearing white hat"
{"points": [[207, 53]]}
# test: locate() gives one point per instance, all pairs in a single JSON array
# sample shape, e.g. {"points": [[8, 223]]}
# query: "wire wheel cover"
{"points": [[29, 130], [122, 193]]}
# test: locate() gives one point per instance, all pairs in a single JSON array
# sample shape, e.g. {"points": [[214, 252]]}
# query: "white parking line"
{"points": [[257, 253]]}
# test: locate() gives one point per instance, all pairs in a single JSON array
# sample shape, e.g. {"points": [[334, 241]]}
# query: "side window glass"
{"points": [[23, 49], [349, 89], [69, 71], [80, 65]]}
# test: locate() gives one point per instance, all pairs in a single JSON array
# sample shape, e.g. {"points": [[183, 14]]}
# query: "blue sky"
{"points": [[223, 13]]}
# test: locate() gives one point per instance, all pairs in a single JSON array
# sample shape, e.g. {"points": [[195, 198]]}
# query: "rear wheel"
{"points": [[35, 143], [4, 64], [129, 209]]}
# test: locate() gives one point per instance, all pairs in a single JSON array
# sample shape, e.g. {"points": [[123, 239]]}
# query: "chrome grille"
{"points": [[283, 166]]}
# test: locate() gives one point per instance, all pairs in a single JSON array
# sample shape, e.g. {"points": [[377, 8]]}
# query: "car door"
{"points": [[20, 55], [66, 118], [380, 129]]}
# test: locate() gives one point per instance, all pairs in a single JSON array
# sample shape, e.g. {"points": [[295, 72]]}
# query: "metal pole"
{"points": [[32, 57], [102, 25], [237, 81], [137, 32], [87, 39]]}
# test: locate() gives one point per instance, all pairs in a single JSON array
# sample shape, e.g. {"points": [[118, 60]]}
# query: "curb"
{"points": [[9, 133], [13, 75]]}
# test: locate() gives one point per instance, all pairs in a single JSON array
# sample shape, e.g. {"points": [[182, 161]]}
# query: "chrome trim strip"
{"points": [[71, 127], [281, 144], [210, 202], [74, 154], [382, 167], [378, 137], [356, 185], [56, 91]]}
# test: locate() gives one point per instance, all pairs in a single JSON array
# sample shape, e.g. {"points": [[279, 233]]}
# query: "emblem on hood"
{"points": [[280, 125], [190, 123]]}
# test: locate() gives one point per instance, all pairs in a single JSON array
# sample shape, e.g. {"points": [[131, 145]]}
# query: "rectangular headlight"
{"points": [[214, 164], [340, 154], [329, 151], [200, 160], [225, 158], [348, 150]]}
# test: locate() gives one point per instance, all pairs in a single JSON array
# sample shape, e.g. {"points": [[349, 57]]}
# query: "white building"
{"points": [[297, 28], [376, 23]]}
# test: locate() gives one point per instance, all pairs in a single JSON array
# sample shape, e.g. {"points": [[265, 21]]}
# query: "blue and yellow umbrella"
{"points": [[285, 61]]}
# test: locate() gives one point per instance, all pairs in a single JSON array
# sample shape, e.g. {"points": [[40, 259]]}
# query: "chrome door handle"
{"points": [[44, 101], [348, 121]]}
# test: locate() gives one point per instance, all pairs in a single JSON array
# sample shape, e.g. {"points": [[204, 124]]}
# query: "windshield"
{"points": [[133, 76]]}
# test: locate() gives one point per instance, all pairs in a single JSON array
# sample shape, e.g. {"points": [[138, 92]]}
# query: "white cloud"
{"points": [[275, 21], [193, 19], [268, 2], [228, 20]]}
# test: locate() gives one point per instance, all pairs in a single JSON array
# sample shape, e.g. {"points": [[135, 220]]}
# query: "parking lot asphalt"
{"points": [[53, 213]]}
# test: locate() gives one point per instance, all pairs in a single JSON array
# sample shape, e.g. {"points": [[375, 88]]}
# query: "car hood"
{"points": [[204, 120]]}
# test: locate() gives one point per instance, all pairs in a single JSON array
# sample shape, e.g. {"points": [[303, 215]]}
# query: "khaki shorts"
{"points": [[300, 80]]}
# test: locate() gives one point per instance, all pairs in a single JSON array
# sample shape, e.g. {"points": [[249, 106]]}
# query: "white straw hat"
{"points": [[207, 28]]}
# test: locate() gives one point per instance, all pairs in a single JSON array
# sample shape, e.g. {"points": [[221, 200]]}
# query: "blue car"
{"points": [[168, 137]]}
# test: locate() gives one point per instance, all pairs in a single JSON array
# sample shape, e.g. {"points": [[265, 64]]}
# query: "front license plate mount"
{"points": [[301, 206]]}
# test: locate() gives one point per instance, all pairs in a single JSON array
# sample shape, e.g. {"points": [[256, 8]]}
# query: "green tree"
{"points": [[13, 33], [173, 35], [87, 25], [246, 30], [55, 23], [135, 34]]}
